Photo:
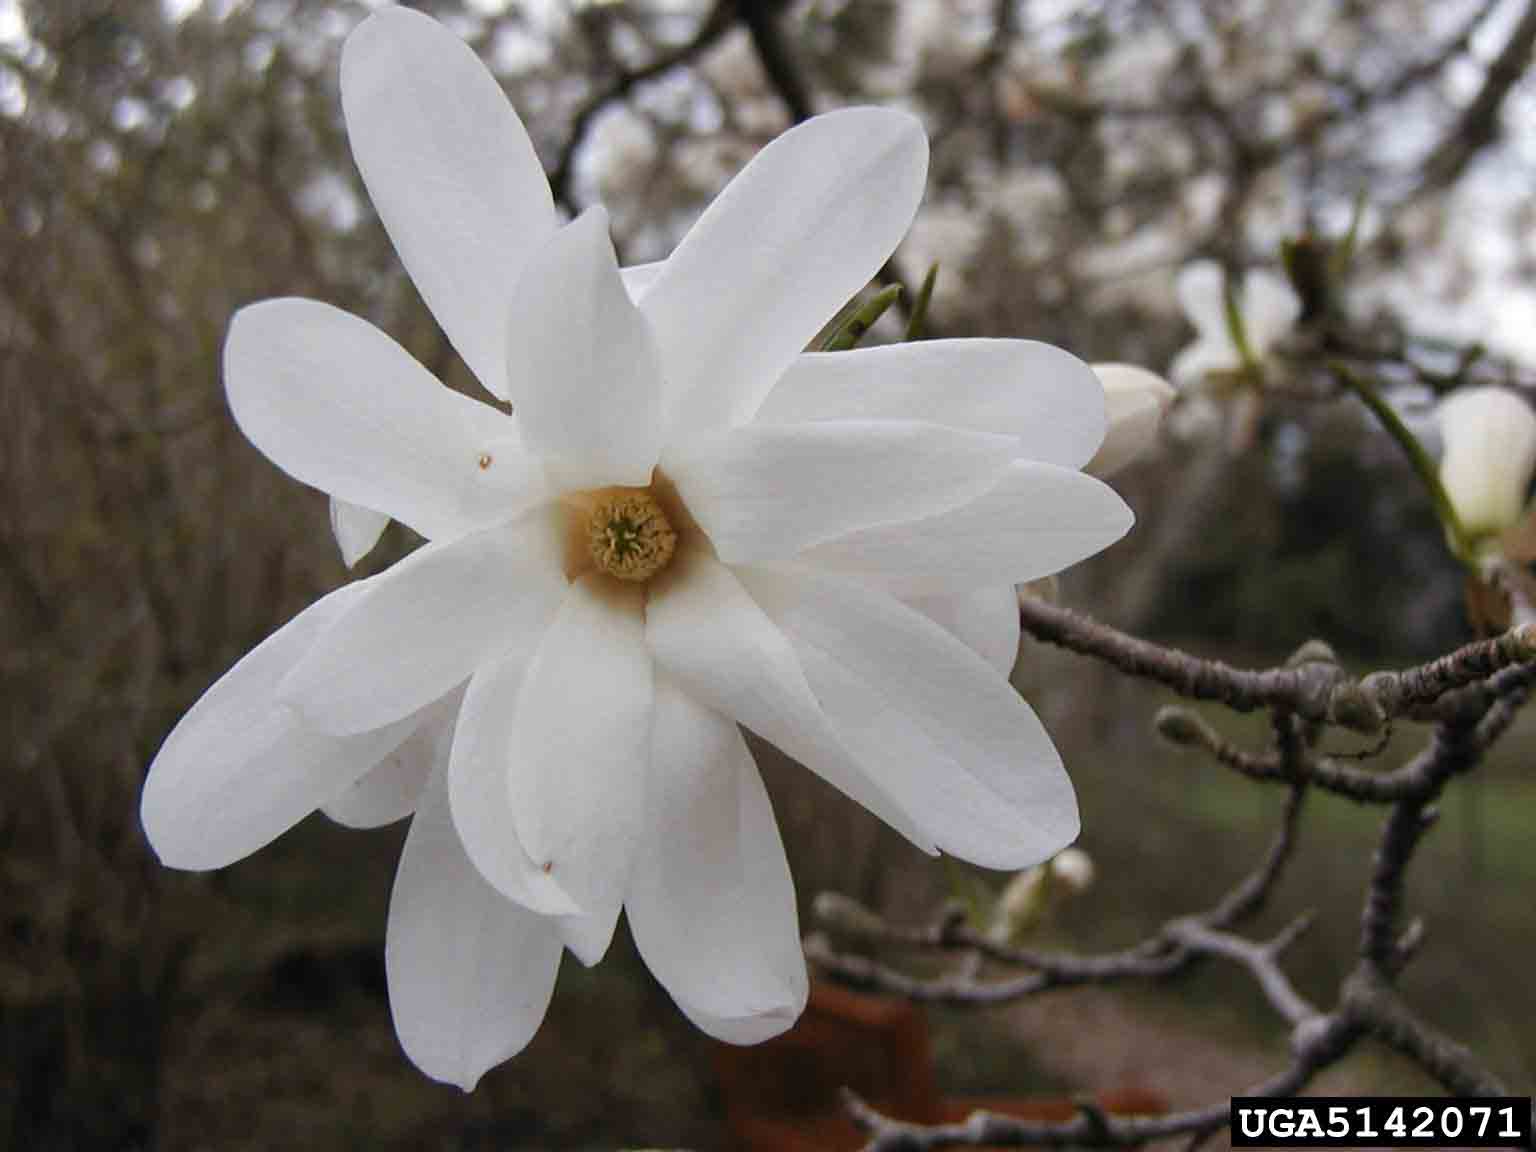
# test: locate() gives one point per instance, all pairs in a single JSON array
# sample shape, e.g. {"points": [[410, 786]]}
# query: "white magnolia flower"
{"points": [[1489, 437], [686, 526], [1135, 402], [1267, 309]]}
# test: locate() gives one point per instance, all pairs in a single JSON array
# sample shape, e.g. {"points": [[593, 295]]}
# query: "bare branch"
{"points": [[1383, 1013], [715, 25], [1412, 688], [1313, 690], [1262, 960], [1478, 125]]}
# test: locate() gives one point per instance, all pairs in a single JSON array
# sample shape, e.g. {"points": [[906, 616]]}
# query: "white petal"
{"points": [[239, 769], [1201, 289], [710, 900], [339, 405], [390, 789], [452, 173], [427, 623], [986, 620], [886, 675], [584, 374], [1047, 398], [357, 529], [1134, 400], [965, 817], [479, 783], [579, 749], [707, 633], [638, 278], [1037, 520], [803, 227], [470, 973], [767, 491], [1270, 309]]}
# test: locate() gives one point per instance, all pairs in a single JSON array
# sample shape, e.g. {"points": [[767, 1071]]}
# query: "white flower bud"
{"points": [[1134, 403], [1490, 450], [1020, 906], [1074, 869]]}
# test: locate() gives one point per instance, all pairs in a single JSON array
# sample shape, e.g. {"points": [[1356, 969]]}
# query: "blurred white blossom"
{"points": [[1489, 437], [1231, 341]]}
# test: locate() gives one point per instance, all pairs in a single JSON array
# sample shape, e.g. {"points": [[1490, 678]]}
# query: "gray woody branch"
{"points": [[1472, 693]]}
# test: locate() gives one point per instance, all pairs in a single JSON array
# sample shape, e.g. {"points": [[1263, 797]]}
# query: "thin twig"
{"points": [[712, 29]]}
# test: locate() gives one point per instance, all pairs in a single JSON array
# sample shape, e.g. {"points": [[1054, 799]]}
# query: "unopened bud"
{"points": [[1074, 869], [1134, 403], [1490, 451], [1020, 906], [1178, 726]]}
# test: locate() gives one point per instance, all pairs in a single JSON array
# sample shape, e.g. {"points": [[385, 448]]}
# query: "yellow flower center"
{"points": [[630, 536]]}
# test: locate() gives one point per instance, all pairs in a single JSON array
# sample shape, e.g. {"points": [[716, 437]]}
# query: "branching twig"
{"points": [[715, 25], [1313, 690], [1478, 687]]}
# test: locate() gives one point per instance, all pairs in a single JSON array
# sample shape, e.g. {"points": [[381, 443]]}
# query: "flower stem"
{"points": [[919, 318], [852, 330], [1422, 464]]}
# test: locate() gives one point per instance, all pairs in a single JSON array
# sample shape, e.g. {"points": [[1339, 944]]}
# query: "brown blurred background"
{"points": [[165, 161]]}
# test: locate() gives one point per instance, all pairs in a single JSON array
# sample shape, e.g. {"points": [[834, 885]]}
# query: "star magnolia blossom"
{"points": [[1267, 306], [1489, 438], [686, 526]]}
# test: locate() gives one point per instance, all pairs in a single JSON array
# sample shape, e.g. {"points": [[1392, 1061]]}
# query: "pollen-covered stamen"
{"points": [[630, 536]]}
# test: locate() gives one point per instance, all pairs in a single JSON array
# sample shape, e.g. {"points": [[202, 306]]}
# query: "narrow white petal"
{"points": [[452, 173], [803, 227], [710, 901], [638, 278], [335, 403], [1135, 401], [887, 674], [357, 529], [584, 375], [470, 973], [764, 492], [966, 817], [1201, 288], [427, 623], [986, 620], [239, 769], [707, 633], [390, 789], [479, 783], [579, 748], [1270, 309], [1036, 521], [1046, 398]]}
